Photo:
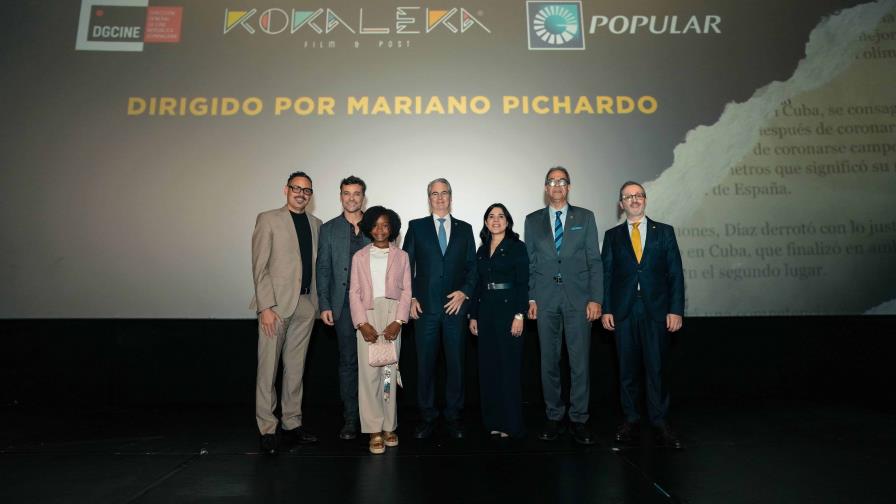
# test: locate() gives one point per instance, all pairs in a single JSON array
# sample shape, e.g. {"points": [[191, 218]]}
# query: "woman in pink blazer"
{"points": [[380, 300]]}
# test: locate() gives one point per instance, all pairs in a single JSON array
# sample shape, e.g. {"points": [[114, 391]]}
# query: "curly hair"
{"points": [[368, 221]]}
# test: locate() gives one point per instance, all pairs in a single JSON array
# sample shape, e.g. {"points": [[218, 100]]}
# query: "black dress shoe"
{"points": [[629, 433], [551, 430], [455, 429], [268, 445], [298, 436], [666, 437], [582, 434], [348, 431], [424, 430]]}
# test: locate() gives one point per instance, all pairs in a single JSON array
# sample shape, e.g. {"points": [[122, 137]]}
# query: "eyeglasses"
{"points": [[561, 182], [443, 194], [299, 189], [629, 197]]}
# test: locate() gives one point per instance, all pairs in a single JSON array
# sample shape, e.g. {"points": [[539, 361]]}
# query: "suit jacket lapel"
{"points": [[390, 260], [430, 227], [650, 242], [286, 218], [315, 230], [571, 220], [549, 227]]}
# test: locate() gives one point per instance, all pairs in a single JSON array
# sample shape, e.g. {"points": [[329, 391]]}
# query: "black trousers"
{"points": [[642, 345]]}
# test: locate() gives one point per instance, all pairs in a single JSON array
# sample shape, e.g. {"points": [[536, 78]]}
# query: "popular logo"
{"points": [[125, 25], [555, 25]]}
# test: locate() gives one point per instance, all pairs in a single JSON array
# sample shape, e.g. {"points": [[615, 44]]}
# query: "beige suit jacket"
{"points": [[277, 262]]}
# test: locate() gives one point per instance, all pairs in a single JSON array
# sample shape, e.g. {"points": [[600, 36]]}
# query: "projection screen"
{"points": [[141, 138]]}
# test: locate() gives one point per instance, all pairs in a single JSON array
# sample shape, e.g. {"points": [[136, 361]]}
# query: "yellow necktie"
{"points": [[636, 241]]}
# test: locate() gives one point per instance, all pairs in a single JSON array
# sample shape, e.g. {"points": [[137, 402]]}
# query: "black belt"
{"points": [[499, 286], [305, 290]]}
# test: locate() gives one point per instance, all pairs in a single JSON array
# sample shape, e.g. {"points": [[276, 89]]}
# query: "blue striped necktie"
{"points": [[558, 231], [443, 237]]}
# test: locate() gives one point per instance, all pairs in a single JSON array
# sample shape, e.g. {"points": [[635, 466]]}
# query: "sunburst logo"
{"points": [[555, 25]]}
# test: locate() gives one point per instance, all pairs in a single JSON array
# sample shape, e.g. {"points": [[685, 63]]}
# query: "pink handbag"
{"points": [[382, 353]]}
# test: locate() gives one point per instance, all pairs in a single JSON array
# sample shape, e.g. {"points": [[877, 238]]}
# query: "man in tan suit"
{"points": [[284, 248]]}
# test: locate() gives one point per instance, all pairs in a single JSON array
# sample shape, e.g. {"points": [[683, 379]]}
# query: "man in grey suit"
{"points": [[340, 238], [284, 246], [565, 294]]}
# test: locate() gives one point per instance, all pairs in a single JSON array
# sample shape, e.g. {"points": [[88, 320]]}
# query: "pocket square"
{"points": [[576, 228]]}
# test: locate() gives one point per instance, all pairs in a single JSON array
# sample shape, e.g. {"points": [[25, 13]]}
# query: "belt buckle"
{"points": [[490, 286]]}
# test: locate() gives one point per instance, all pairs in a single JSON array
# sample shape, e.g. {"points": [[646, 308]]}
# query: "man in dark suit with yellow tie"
{"points": [[643, 303]]}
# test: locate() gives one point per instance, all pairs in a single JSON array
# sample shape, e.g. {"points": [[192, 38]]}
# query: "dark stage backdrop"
{"points": [[64, 364], [140, 138]]}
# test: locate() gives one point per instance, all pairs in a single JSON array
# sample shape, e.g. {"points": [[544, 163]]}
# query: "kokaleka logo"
{"points": [[555, 25]]}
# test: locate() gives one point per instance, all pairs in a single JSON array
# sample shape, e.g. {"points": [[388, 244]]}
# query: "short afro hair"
{"points": [[373, 214]]}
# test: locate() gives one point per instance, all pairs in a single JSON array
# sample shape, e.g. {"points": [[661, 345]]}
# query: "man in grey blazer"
{"points": [[565, 294], [284, 245], [340, 238]]}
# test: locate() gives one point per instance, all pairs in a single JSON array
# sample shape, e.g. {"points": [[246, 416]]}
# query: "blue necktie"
{"points": [[558, 231], [443, 237]]}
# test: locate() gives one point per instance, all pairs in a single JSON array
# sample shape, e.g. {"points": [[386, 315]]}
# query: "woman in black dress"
{"points": [[496, 317]]}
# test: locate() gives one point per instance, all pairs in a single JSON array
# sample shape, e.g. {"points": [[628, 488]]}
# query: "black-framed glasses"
{"points": [[297, 189], [628, 197], [560, 182]]}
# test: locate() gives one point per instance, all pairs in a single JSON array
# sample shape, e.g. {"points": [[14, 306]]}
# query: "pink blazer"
{"points": [[398, 283]]}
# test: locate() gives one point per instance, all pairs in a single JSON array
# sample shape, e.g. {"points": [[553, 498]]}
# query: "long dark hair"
{"points": [[486, 236]]}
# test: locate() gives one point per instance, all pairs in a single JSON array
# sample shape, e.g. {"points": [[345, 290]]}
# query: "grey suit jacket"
{"points": [[334, 264], [277, 262], [578, 262]]}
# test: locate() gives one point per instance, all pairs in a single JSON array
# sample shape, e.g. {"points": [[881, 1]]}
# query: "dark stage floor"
{"points": [[768, 452]]}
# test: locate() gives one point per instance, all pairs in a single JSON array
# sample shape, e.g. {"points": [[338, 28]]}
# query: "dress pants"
{"points": [[640, 339], [290, 342], [500, 362], [378, 412], [346, 337], [427, 331], [555, 316]]}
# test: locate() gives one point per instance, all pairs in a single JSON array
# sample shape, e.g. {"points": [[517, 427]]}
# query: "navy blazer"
{"points": [[435, 276], [659, 273]]}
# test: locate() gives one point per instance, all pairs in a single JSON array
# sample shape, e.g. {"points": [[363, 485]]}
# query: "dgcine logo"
{"points": [[111, 25], [555, 25]]}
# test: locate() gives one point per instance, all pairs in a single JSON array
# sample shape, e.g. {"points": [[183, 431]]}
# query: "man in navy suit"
{"points": [[565, 293], [442, 254], [643, 303]]}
